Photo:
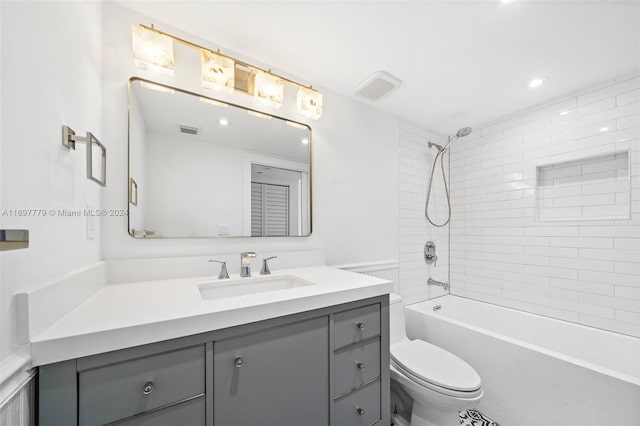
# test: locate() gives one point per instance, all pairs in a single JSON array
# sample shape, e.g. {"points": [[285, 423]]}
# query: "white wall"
{"points": [[354, 148], [585, 271], [50, 76], [416, 160], [192, 187]]}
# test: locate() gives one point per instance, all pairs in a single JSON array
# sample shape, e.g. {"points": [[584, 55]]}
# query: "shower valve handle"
{"points": [[430, 253]]}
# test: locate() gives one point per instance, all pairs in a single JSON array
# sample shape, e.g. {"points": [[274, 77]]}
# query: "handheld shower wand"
{"points": [[441, 151]]}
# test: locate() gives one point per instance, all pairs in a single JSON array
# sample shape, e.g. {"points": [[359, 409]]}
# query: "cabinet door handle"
{"points": [[239, 362], [360, 365], [360, 325], [360, 411], [147, 388]]}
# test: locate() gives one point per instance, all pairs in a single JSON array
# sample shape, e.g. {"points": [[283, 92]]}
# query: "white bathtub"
{"points": [[536, 370]]}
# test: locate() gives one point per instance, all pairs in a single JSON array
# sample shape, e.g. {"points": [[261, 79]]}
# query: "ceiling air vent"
{"points": [[189, 130], [378, 85]]}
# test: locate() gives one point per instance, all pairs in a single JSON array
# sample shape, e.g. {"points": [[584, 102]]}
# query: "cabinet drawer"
{"points": [[356, 325], [188, 413], [360, 408], [356, 366], [118, 391]]}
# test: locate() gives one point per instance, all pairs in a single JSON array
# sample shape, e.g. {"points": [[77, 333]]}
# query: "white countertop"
{"points": [[119, 316]]}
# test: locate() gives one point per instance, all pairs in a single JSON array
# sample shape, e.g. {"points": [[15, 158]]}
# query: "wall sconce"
{"points": [[309, 103], [152, 51], [269, 89], [218, 72]]}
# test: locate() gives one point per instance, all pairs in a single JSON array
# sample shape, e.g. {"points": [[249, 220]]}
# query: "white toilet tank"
{"points": [[397, 332]]}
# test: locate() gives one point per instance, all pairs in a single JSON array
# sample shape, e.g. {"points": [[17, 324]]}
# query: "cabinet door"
{"points": [[189, 413], [275, 377]]}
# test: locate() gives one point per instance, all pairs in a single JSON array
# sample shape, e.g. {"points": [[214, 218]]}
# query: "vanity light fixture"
{"points": [[218, 72], [268, 89], [309, 103], [152, 51]]}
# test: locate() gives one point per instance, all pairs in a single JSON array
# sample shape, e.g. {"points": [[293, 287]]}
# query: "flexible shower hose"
{"points": [[446, 189]]}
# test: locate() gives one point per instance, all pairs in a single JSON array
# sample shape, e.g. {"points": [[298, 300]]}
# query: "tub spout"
{"points": [[444, 285]]}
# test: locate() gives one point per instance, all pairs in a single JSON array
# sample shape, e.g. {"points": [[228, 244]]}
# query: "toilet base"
{"points": [[433, 415], [431, 408]]}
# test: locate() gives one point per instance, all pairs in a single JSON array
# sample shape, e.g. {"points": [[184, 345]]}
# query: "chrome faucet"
{"points": [[444, 285], [265, 266], [224, 274], [245, 263]]}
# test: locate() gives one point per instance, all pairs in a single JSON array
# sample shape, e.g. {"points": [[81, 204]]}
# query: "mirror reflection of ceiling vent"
{"points": [[189, 130], [378, 85]]}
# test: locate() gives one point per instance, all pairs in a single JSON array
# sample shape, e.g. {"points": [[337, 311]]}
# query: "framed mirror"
{"points": [[202, 168]]}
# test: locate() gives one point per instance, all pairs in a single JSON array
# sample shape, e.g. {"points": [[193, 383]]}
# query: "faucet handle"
{"points": [[265, 266], [224, 274]]}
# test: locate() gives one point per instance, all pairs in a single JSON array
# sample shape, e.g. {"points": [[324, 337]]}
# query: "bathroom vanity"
{"points": [[323, 366]]}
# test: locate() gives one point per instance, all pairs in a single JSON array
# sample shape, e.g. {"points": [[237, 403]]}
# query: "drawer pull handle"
{"points": [[147, 388], [360, 325], [360, 365], [360, 411], [239, 362]]}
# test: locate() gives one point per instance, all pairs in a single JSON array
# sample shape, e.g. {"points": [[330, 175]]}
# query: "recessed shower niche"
{"points": [[589, 188]]}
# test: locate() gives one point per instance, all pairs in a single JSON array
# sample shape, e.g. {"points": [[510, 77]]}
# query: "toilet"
{"points": [[440, 383]]}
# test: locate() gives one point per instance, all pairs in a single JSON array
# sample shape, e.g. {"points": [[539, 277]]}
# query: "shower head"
{"points": [[465, 131]]}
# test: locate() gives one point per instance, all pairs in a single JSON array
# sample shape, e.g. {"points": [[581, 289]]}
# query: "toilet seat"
{"points": [[436, 369]]}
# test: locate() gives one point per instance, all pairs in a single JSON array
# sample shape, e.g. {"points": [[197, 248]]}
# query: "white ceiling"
{"points": [[462, 63]]}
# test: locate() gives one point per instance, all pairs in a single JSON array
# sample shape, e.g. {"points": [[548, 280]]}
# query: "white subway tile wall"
{"points": [[416, 159], [579, 259]]}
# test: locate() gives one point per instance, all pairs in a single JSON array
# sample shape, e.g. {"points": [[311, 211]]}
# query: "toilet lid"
{"points": [[436, 366]]}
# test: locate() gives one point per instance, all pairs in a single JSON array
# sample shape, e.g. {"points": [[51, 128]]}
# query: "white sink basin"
{"points": [[243, 286]]}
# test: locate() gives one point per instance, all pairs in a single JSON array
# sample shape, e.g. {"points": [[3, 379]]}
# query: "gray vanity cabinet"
{"points": [[327, 367], [277, 377]]}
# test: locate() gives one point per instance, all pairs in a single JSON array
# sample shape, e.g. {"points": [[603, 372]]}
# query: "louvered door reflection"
{"points": [[269, 210]]}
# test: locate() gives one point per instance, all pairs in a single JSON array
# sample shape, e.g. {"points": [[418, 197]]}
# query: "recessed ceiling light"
{"points": [[564, 112], [305, 141], [536, 82], [604, 129], [223, 122]]}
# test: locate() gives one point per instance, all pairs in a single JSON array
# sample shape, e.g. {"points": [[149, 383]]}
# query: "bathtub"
{"points": [[536, 370]]}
